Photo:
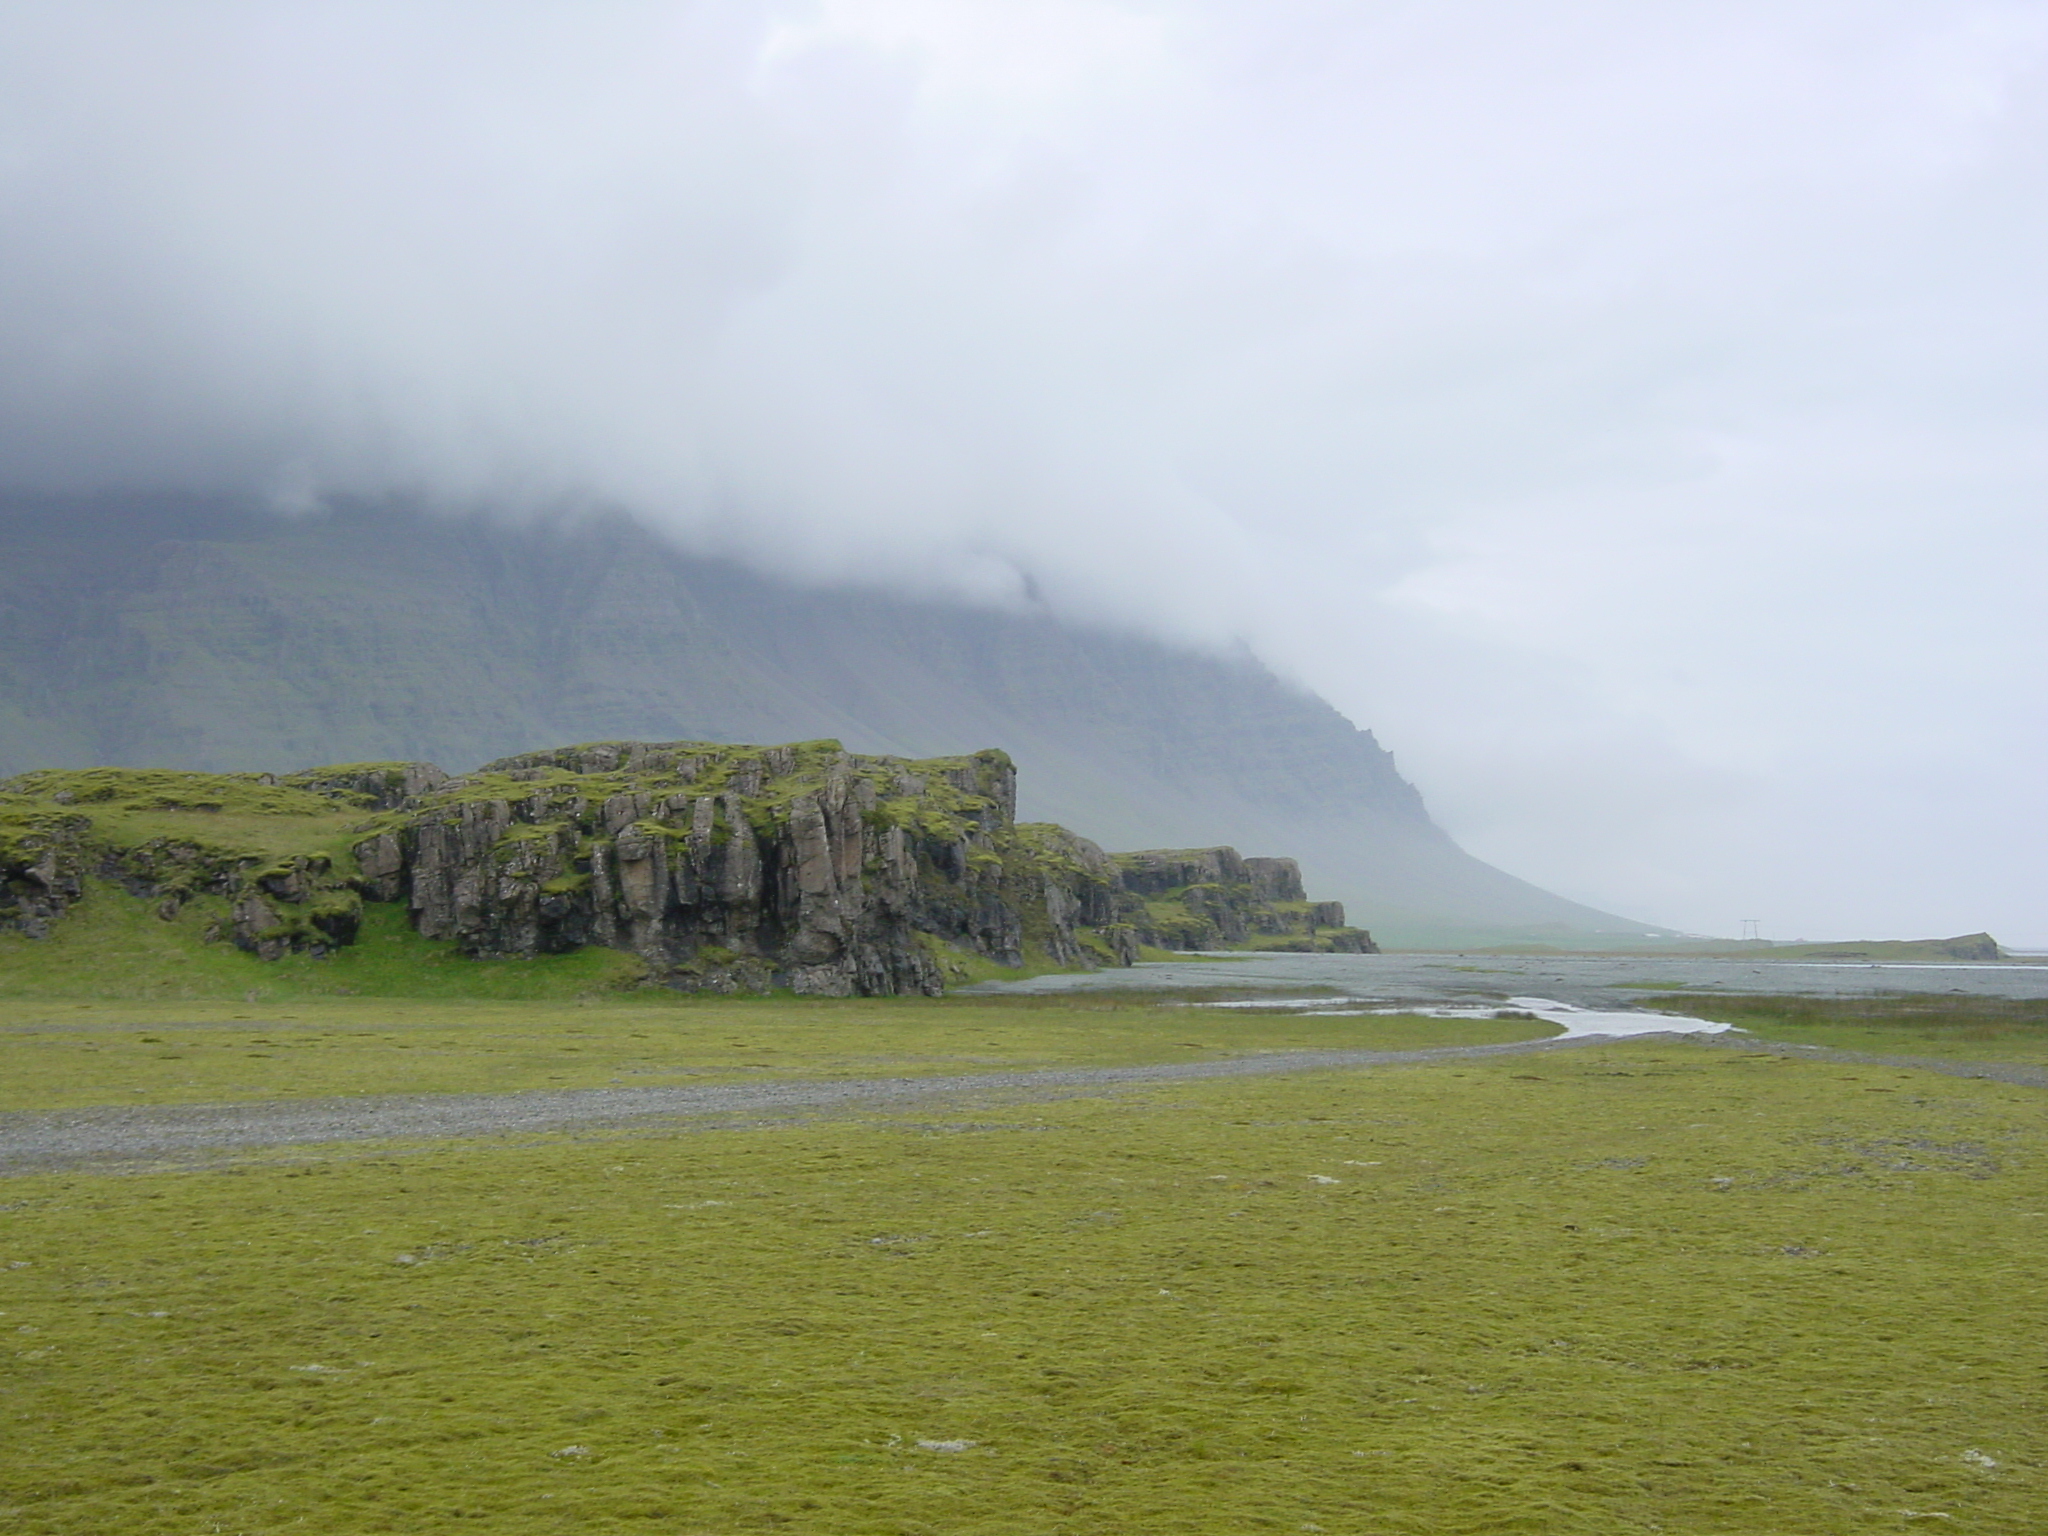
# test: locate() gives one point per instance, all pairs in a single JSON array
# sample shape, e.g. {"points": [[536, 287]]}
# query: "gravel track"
{"points": [[41, 1140]]}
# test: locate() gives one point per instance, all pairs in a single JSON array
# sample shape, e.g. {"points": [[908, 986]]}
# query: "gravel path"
{"points": [[41, 1140]]}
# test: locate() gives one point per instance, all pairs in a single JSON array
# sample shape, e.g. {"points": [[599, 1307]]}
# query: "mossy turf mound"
{"points": [[268, 862]]}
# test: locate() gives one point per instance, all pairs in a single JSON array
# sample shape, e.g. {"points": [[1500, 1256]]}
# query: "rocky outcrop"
{"points": [[1276, 880], [721, 867], [1212, 898], [276, 906], [376, 786], [43, 857], [725, 867], [803, 866], [61, 831]]}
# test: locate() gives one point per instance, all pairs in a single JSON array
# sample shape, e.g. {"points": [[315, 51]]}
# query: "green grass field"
{"points": [[1923, 1024], [1624, 1289], [61, 1054], [1627, 1288]]}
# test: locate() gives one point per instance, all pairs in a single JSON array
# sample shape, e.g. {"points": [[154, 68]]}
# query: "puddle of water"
{"points": [[1593, 1021]]}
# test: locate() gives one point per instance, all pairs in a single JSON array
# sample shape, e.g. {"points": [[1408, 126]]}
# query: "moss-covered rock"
{"points": [[265, 849], [730, 867], [1213, 898], [378, 786], [43, 862]]}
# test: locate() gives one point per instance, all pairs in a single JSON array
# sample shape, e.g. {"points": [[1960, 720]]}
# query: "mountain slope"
{"points": [[172, 632]]}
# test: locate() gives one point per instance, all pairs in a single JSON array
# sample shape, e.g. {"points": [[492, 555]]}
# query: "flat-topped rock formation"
{"points": [[720, 867]]}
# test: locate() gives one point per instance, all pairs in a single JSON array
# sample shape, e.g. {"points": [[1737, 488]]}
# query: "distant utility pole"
{"points": [[1752, 930]]}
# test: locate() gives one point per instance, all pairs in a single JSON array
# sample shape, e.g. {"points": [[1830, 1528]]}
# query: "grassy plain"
{"points": [[1628, 1288], [1900, 1024], [64, 1054], [121, 1006]]}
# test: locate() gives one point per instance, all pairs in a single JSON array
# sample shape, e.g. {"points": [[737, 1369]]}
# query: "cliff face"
{"points": [[737, 867], [721, 867]]}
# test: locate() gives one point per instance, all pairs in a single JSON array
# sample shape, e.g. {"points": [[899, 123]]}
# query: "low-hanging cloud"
{"points": [[1632, 412]]}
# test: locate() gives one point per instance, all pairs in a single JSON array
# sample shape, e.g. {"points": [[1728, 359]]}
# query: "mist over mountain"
{"points": [[197, 633]]}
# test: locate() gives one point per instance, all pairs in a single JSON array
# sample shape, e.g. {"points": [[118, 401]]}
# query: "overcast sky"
{"points": [[1632, 412]]}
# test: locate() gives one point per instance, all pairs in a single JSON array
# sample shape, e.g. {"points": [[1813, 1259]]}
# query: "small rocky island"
{"points": [[724, 868]]}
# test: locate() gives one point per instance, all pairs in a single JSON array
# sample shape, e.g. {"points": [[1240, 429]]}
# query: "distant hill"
{"points": [[1973, 947], [181, 633]]}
